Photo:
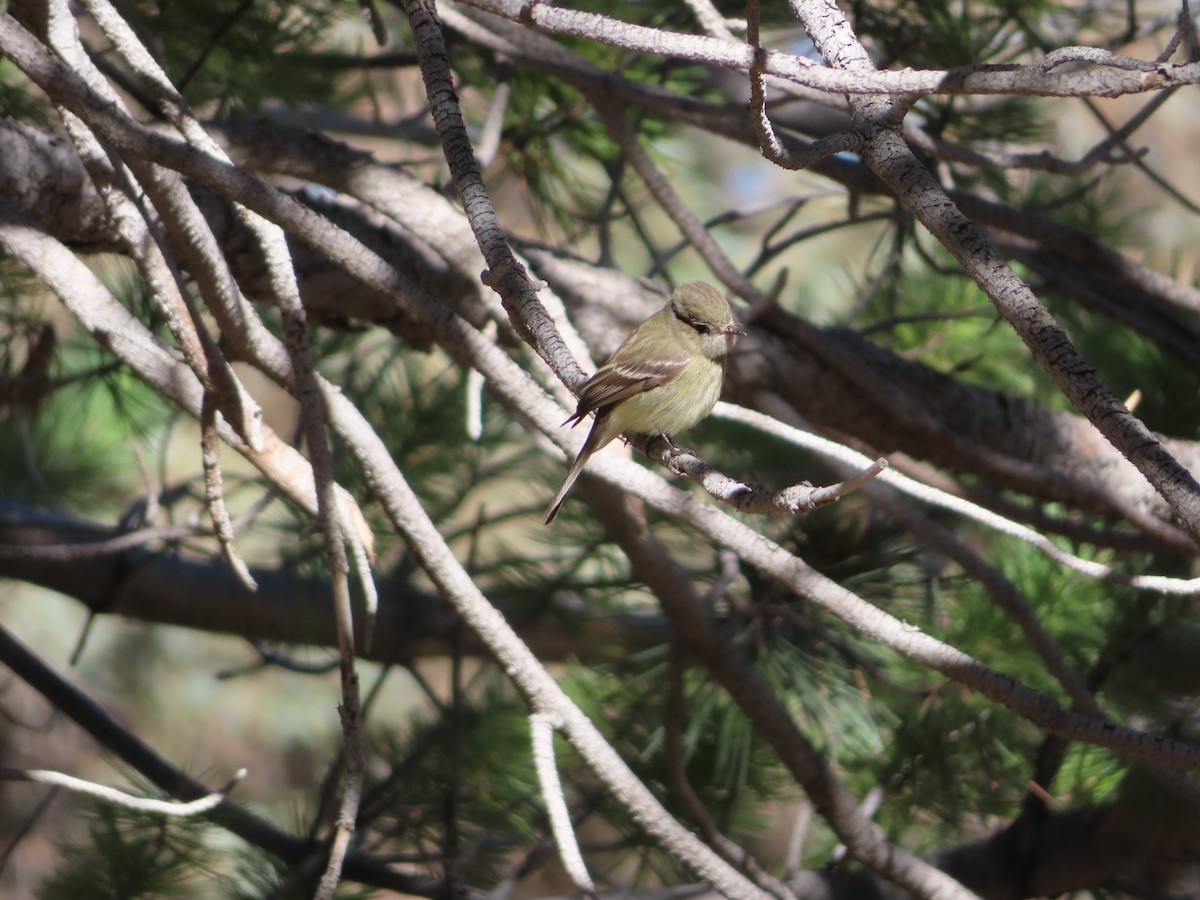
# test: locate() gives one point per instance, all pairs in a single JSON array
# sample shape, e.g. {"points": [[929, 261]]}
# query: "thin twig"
{"points": [[772, 148], [105, 547], [177, 809], [541, 727], [936, 497], [210, 449]]}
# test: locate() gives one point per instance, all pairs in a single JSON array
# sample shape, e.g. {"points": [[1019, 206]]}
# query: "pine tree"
{"points": [[295, 297]]}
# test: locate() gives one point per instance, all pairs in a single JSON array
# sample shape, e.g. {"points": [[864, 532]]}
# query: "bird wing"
{"points": [[619, 380]]}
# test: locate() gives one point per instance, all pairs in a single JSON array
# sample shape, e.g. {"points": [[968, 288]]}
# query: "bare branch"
{"points": [[769, 143], [795, 500], [541, 727], [505, 273], [1109, 81], [210, 449], [175, 809], [928, 494]]}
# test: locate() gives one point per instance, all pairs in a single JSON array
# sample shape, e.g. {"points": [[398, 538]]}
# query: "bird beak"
{"points": [[735, 328]]}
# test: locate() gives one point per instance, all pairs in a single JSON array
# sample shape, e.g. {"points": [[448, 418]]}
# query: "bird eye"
{"points": [[699, 327]]}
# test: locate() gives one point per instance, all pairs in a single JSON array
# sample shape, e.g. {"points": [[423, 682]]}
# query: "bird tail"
{"points": [[572, 474], [603, 431]]}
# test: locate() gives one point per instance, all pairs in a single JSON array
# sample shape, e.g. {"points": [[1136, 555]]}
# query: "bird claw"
{"points": [[654, 447]]}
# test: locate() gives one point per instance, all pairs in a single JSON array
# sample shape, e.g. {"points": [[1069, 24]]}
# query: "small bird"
{"points": [[665, 377]]}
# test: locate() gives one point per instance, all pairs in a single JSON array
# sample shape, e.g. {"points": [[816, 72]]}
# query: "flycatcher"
{"points": [[665, 377]]}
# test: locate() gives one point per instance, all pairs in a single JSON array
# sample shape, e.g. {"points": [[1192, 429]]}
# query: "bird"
{"points": [[664, 378]]}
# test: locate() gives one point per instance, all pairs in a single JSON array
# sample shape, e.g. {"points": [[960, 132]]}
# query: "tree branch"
{"points": [[1114, 79]]}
